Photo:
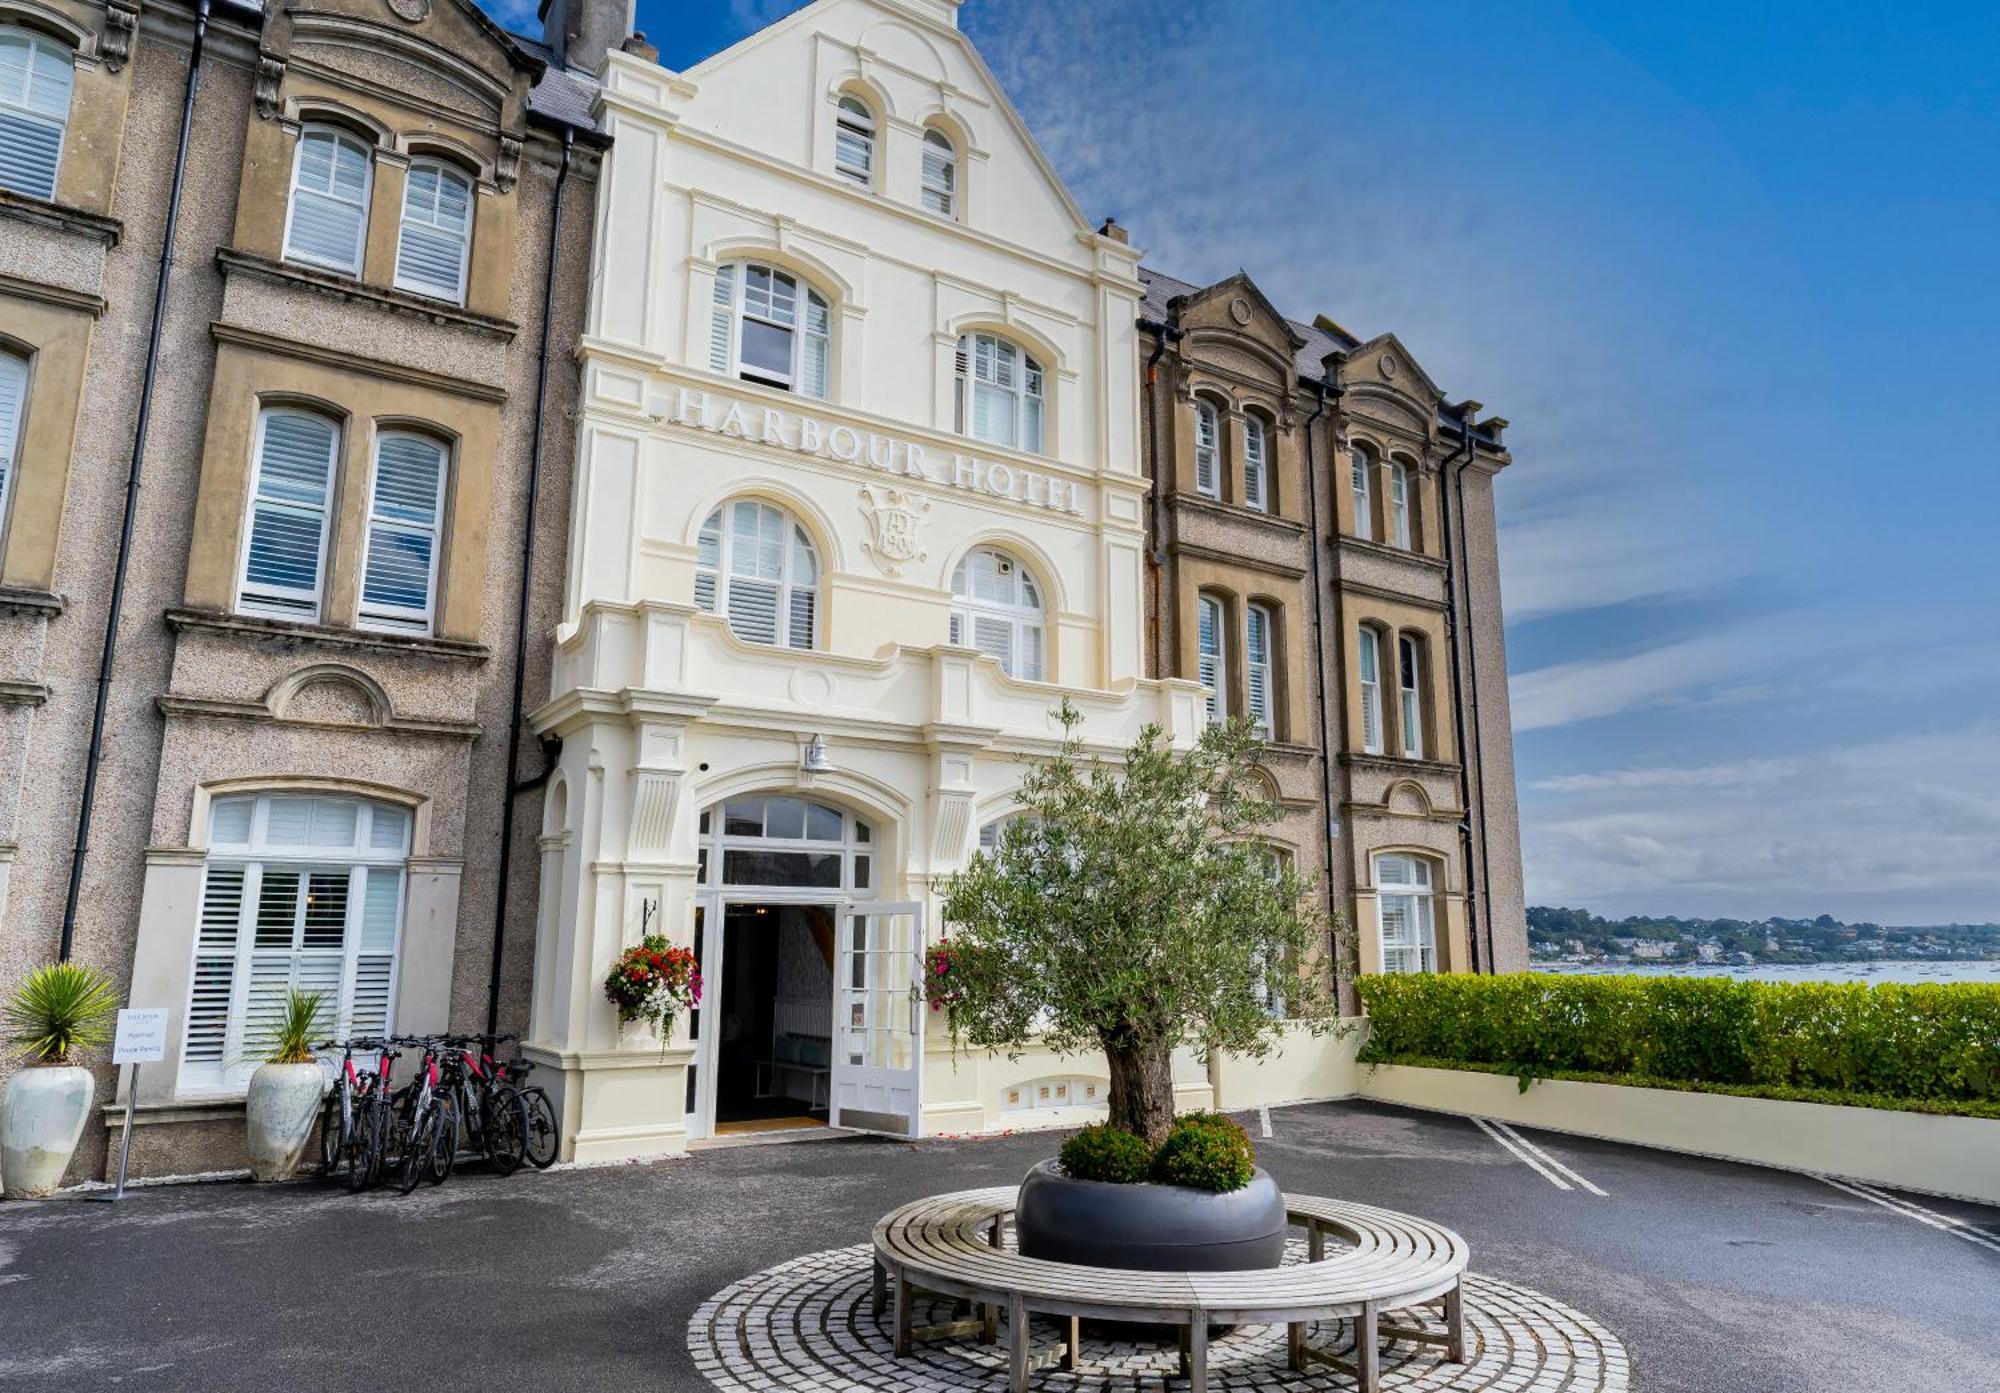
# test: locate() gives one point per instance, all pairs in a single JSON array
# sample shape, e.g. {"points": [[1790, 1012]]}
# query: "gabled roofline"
{"points": [[1241, 280]]}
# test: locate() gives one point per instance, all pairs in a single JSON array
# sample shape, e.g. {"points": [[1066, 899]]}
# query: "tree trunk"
{"points": [[1142, 1088]]}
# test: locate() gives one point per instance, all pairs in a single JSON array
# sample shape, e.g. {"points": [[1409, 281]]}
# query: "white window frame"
{"points": [[15, 378], [1211, 642], [1368, 668], [1025, 617], [400, 618], [446, 170], [1259, 667], [258, 854], [940, 173], [857, 839], [21, 104], [1409, 682], [282, 602], [1207, 449], [854, 128], [1029, 406], [1399, 503], [1361, 467], [731, 304], [1403, 888], [340, 137], [716, 578], [1256, 463]]}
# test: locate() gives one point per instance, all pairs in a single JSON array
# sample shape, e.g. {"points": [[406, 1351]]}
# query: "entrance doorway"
{"points": [[774, 1018]]}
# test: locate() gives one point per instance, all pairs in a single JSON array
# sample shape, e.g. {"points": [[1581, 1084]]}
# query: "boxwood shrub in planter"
{"points": [[1131, 909]]}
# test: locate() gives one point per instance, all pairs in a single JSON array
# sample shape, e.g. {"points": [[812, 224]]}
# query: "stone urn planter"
{"points": [[1147, 1227], [42, 1115], [279, 1112]]}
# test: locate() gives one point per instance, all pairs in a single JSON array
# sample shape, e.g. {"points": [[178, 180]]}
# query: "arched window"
{"points": [[1369, 667], [436, 233], [1256, 464], [405, 511], [1361, 469], [1212, 655], [1399, 503], [783, 842], [328, 222], [300, 891], [757, 566], [13, 415], [991, 832], [940, 191], [996, 607], [1410, 679], [35, 77], [292, 484], [1258, 670], [1207, 450], [768, 326], [999, 395], [1409, 928], [854, 142]]}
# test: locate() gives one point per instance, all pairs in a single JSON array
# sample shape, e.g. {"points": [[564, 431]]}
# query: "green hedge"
{"points": [[1934, 1045]]}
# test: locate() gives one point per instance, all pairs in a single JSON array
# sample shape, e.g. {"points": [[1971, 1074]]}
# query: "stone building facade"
{"points": [[1324, 563], [301, 779]]}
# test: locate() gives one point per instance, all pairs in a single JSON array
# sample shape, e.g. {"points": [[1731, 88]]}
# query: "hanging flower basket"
{"points": [[654, 981]]}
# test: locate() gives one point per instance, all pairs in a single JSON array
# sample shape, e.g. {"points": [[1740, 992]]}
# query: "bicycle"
{"points": [[491, 1116], [541, 1136], [418, 1122]]}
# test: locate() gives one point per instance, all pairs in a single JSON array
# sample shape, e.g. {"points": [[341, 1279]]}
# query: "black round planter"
{"points": [[1150, 1228]]}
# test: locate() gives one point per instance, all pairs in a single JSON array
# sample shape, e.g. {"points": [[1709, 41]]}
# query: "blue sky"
{"points": [[1730, 271]]}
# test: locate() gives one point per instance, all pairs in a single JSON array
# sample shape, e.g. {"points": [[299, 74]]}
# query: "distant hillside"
{"points": [[1577, 935]]}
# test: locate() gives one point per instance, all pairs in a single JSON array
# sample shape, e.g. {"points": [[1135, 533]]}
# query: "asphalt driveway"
{"points": [[1719, 1278]]}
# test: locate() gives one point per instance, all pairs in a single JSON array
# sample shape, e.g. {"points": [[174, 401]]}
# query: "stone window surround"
{"points": [[94, 131], [1199, 583], [51, 328], [1447, 899], [1382, 453], [1391, 623], [1232, 414], [897, 166]]}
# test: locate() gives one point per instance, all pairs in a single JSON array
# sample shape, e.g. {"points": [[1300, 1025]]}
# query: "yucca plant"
{"points": [[288, 1039], [57, 1010]]}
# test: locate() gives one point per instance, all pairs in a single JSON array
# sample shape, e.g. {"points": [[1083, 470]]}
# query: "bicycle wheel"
{"points": [[505, 1136], [333, 1133], [364, 1154], [542, 1135], [417, 1146], [444, 1145]]}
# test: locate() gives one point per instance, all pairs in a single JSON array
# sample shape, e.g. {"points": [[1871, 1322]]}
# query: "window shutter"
{"points": [[400, 566], [1371, 694], [804, 601], [437, 218], [1209, 666], [940, 174], [722, 320], [957, 635], [707, 560], [995, 638], [35, 79], [214, 966], [1031, 409], [815, 349], [1031, 653], [329, 201], [753, 608], [13, 404], [375, 952], [1207, 467], [1412, 707], [1258, 624], [281, 573], [1253, 463], [1364, 505]]}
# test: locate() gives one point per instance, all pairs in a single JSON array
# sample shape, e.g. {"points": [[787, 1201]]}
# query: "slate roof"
{"points": [[561, 96]]}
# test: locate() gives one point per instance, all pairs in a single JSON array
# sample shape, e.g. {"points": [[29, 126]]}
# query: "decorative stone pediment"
{"points": [[1384, 362], [329, 694]]}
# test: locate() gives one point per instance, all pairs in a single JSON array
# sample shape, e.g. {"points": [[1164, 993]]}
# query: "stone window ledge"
{"points": [[1400, 765], [1236, 512], [63, 217], [233, 262], [28, 601], [1392, 552], [285, 631]]}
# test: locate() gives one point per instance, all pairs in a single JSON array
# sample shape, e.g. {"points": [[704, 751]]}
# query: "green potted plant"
{"points": [[56, 1012], [283, 1099], [1132, 910]]}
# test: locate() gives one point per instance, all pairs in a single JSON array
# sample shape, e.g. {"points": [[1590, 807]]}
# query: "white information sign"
{"points": [[142, 1036]]}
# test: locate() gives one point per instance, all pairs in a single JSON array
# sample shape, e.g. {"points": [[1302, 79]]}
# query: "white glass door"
{"points": [[705, 1026], [878, 1047]]}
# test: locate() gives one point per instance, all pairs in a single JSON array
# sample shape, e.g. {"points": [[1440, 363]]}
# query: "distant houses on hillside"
{"points": [[1577, 936]]}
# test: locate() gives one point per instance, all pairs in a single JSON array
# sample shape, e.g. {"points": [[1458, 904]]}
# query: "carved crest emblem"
{"points": [[895, 525], [410, 11]]}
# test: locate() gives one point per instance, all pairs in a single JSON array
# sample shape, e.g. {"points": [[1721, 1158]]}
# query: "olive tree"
{"points": [[1132, 908]]}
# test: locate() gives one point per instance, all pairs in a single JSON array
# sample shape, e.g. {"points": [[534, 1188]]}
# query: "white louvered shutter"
{"points": [[940, 175], [1258, 667], [206, 1050], [1371, 693], [1209, 665], [1207, 451], [854, 141], [722, 321], [406, 505], [436, 232], [329, 214], [13, 409], [707, 561], [375, 951], [35, 78], [282, 563], [1256, 463], [815, 348], [1364, 495], [1412, 708], [1031, 406], [1399, 504]]}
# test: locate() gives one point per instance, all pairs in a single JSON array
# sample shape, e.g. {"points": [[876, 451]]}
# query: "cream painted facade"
{"points": [[664, 712]]}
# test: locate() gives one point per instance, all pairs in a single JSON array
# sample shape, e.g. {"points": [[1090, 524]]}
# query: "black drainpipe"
{"points": [[1320, 386], [509, 792], [1472, 682], [1466, 753], [94, 759], [1156, 553]]}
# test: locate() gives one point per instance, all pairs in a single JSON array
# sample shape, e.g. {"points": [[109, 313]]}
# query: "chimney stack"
{"points": [[581, 32]]}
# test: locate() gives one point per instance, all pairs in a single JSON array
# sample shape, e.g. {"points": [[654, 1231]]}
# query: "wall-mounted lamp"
{"points": [[816, 760]]}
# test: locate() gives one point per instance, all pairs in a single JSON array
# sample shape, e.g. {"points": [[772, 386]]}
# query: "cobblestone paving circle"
{"points": [[808, 1324]]}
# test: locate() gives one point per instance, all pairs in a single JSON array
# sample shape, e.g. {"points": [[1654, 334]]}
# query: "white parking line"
{"points": [[1520, 1155], [1895, 1204], [1264, 1122], [1555, 1165]]}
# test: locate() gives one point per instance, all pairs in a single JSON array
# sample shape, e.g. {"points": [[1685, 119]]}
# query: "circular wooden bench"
{"points": [[950, 1245]]}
